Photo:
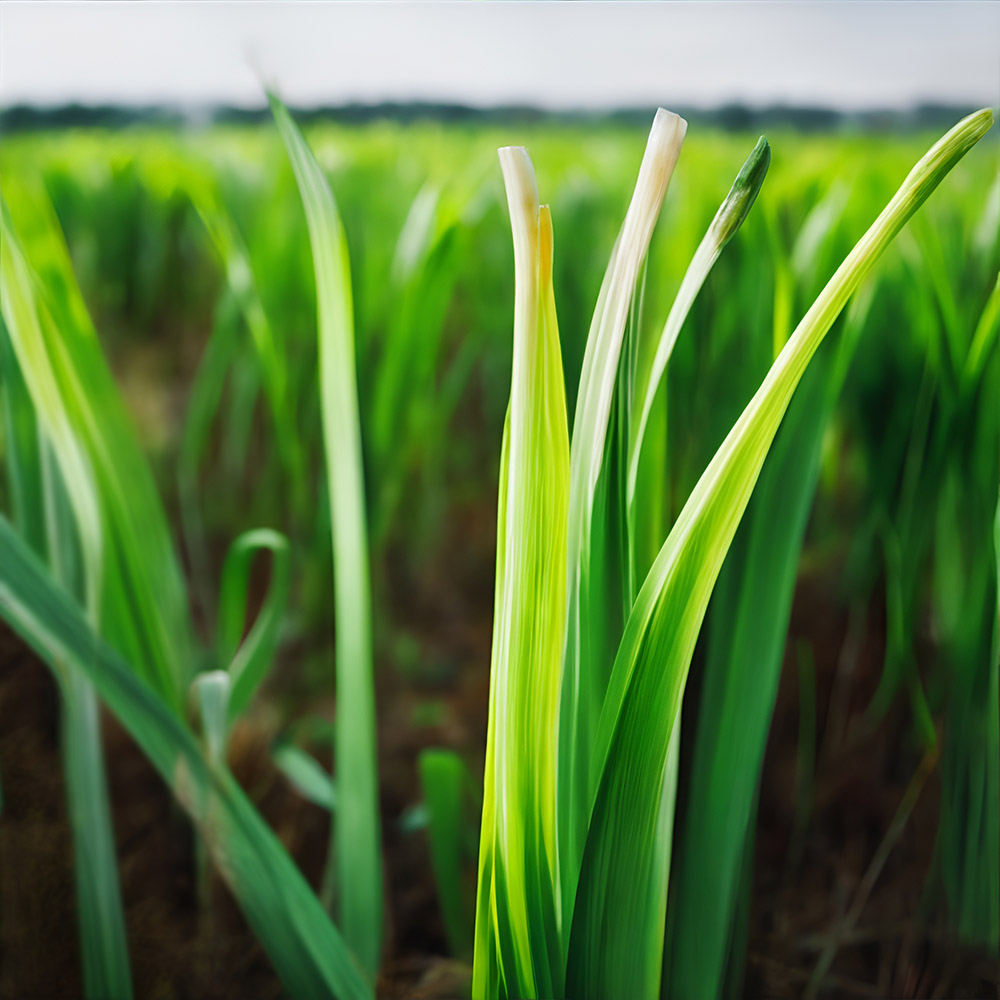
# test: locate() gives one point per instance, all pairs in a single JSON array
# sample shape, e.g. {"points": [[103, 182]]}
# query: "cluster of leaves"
{"points": [[598, 606], [593, 638]]}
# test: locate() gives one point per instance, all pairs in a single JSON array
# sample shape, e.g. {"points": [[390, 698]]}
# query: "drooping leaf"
{"points": [[247, 659]]}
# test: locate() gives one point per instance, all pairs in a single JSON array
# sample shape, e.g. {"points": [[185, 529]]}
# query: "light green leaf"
{"points": [[517, 919], [212, 690], [306, 774]]}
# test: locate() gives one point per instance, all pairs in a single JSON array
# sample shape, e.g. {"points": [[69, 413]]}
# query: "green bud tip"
{"points": [[743, 193]]}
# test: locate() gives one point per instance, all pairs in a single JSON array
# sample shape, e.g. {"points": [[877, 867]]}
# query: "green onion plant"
{"points": [[109, 551], [580, 775], [636, 500]]}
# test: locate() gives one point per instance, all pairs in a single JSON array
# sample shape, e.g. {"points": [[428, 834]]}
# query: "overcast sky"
{"points": [[840, 54]]}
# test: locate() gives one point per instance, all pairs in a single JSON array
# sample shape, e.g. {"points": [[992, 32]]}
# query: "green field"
{"points": [[204, 356]]}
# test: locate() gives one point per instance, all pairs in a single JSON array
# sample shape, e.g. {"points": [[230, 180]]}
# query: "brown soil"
{"points": [[826, 891]]}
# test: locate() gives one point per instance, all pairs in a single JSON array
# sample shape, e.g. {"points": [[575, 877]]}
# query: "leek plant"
{"points": [[590, 649], [136, 644], [236, 666], [106, 541], [140, 600], [42, 514]]}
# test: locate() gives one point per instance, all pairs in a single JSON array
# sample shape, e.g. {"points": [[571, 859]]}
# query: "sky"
{"points": [[841, 54]]}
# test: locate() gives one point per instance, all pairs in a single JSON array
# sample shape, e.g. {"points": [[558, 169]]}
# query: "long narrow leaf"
{"points": [[585, 671], [357, 839], [727, 221], [746, 641], [517, 918]]}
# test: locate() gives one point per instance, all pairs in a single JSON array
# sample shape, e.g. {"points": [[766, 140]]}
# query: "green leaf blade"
{"points": [[584, 676], [357, 843], [517, 922]]}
